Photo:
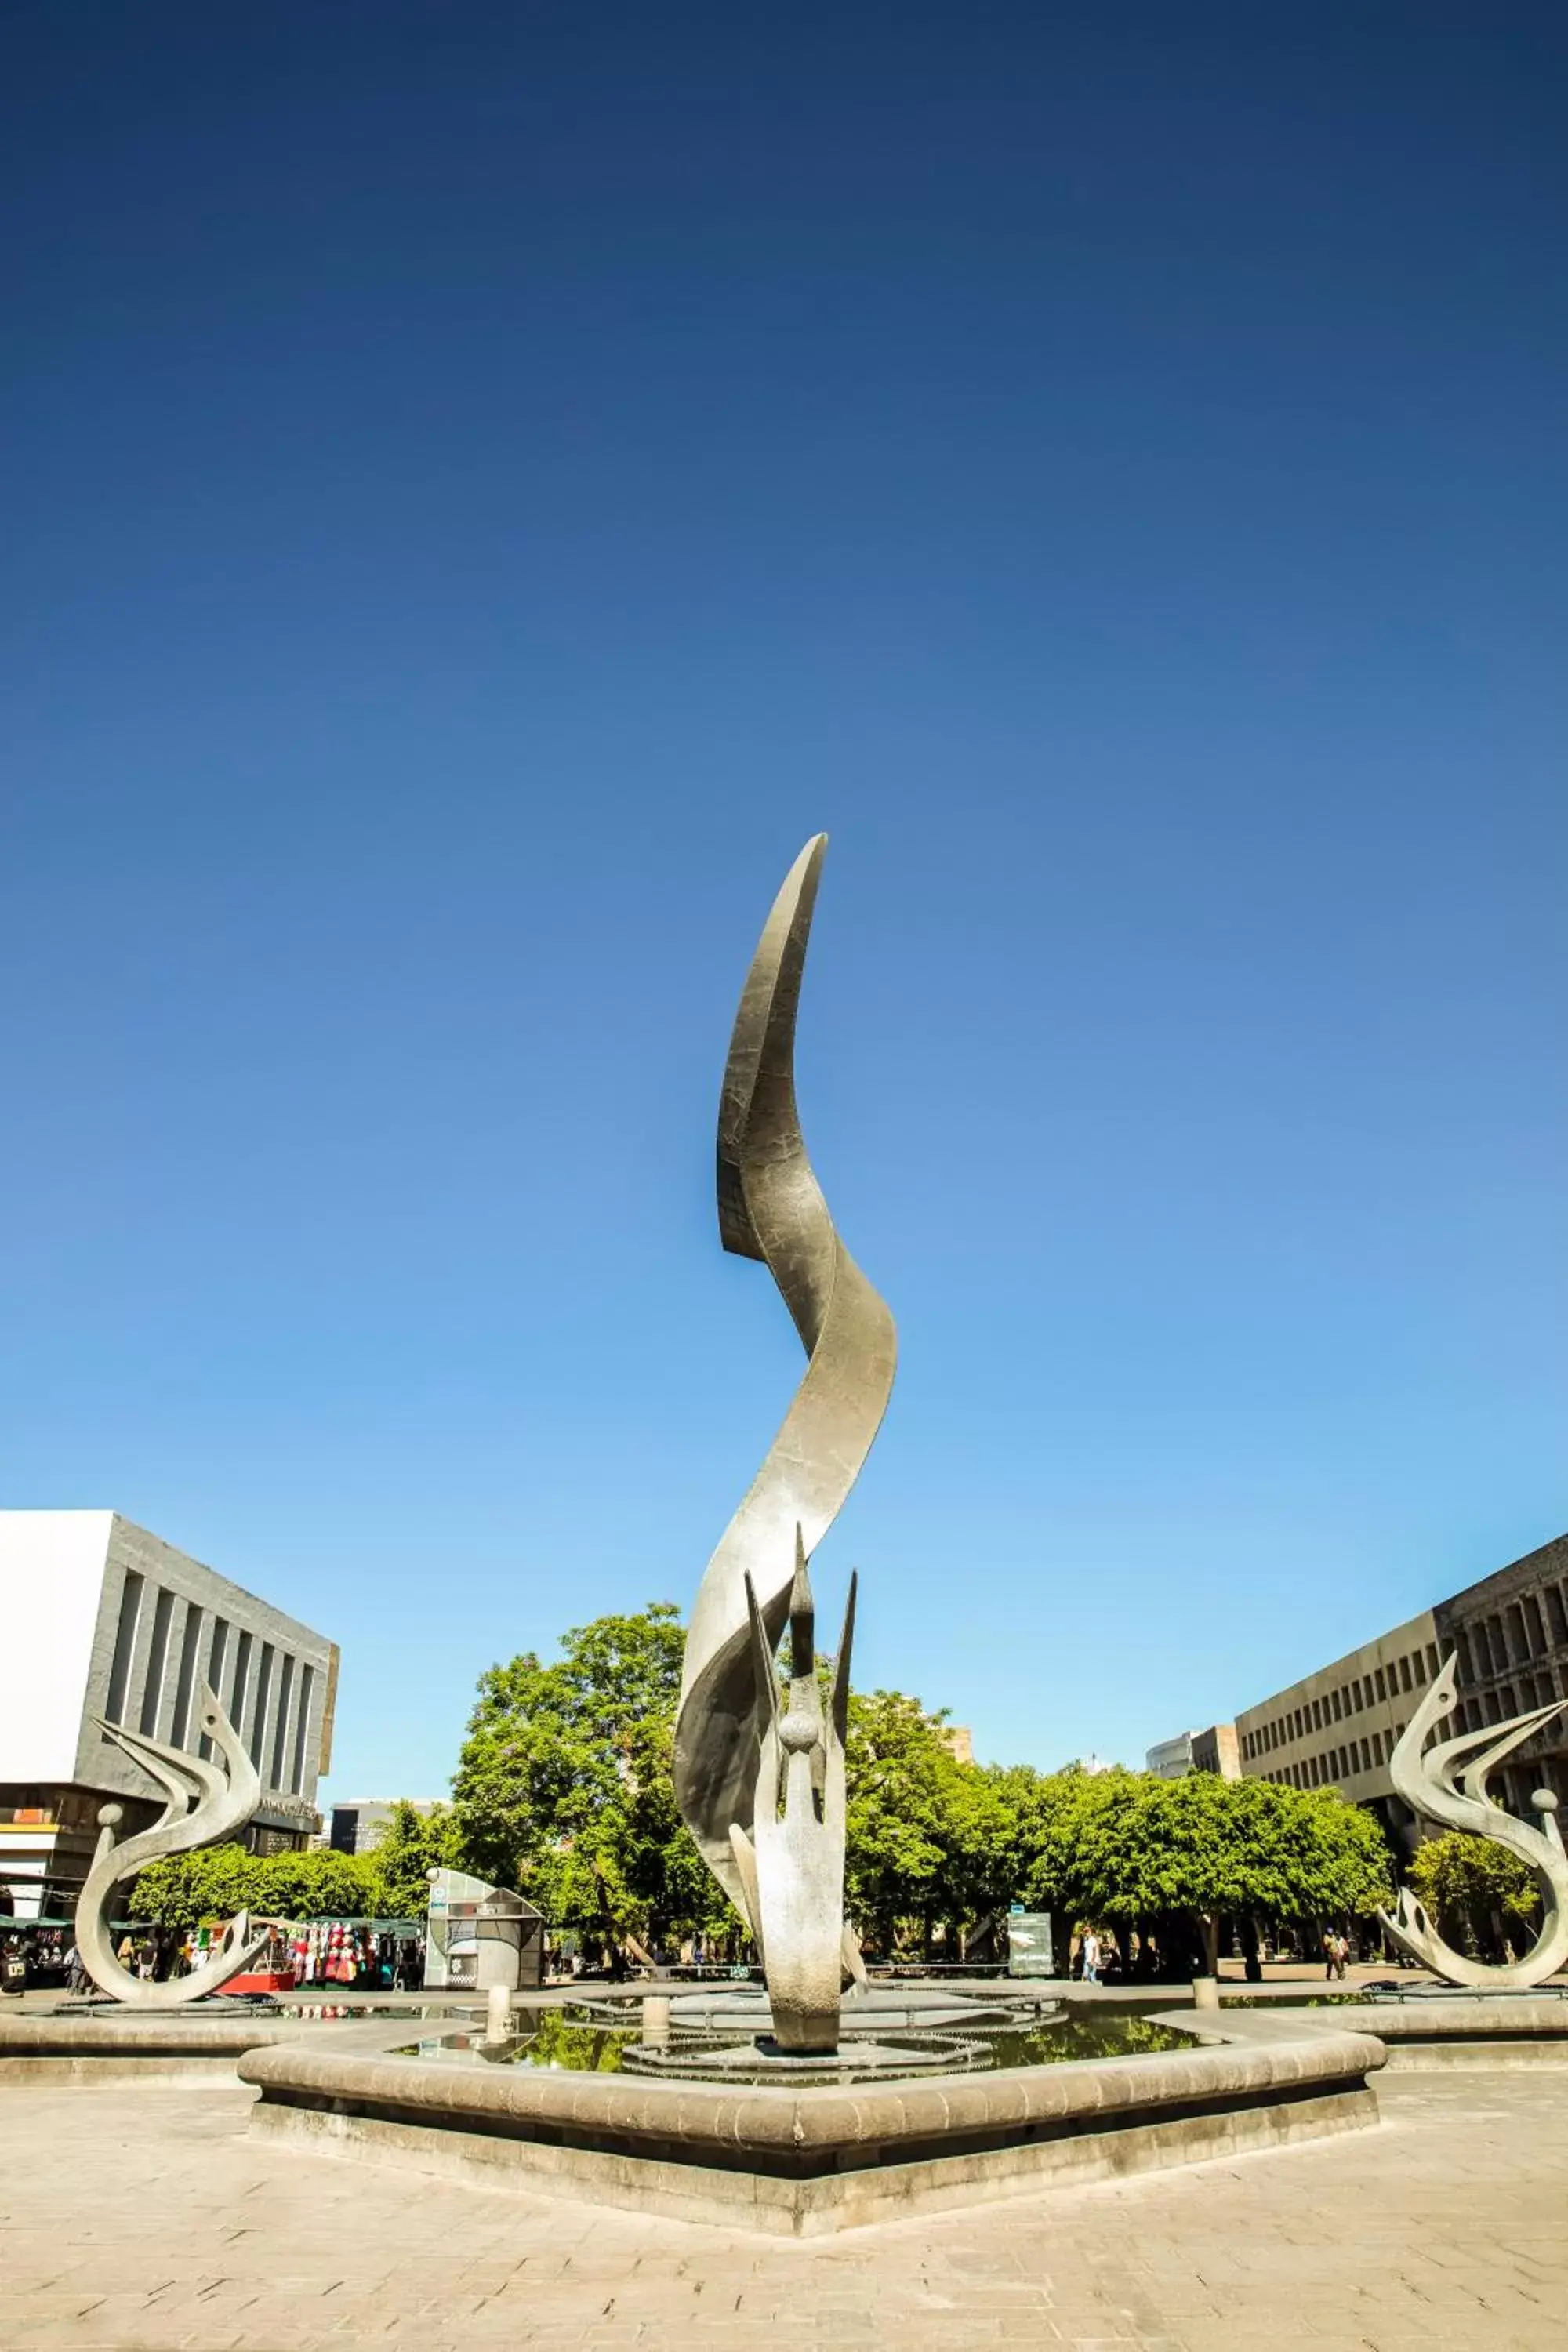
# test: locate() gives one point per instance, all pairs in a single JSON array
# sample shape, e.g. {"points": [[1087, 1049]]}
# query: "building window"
{"points": [[215, 1656], [237, 1687], [301, 1729], [157, 1660], [124, 1646], [1405, 1683], [285, 1686], [1556, 1615], [263, 1692], [179, 1729]]}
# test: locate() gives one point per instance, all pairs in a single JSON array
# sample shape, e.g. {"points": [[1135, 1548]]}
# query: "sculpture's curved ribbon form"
{"points": [[1426, 1784], [224, 1802], [771, 1207]]}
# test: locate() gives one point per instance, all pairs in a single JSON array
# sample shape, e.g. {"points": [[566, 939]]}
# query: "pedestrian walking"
{"points": [[1090, 1957]]}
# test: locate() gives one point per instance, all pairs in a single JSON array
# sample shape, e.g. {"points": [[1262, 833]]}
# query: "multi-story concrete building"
{"points": [[101, 1619], [1213, 1750], [358, 1821], [1336, 1727]]}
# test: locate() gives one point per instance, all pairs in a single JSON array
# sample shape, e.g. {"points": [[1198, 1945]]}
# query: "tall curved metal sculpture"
{"points": [[225, 1802], [729, 1739], [1426, 1779]]}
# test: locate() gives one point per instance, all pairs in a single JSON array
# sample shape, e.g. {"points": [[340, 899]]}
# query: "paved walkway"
{"points": [[142, 2217]]}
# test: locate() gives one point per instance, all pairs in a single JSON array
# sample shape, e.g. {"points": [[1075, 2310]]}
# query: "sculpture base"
{"points": [[859, 2060], [806, 2162]]}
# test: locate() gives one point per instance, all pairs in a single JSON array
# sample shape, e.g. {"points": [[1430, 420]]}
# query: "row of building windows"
{"points": [[1337, 1764], [275, 1705], [1410, 1673], [1527, 1629], [1368, 1755]]}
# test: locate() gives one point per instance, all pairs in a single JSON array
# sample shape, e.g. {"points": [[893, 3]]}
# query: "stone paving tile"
{"points": [[133, 2221]]}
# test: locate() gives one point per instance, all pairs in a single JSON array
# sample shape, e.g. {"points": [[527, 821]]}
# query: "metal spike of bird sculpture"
{"points": [[223, 1802], [759, 1779], [1441, 1785]]}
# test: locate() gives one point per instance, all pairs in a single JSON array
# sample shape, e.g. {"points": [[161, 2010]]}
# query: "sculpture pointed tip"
{"points": [[800, 1590]]}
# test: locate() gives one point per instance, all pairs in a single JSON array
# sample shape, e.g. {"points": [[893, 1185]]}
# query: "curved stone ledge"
{"points": [[804, 2130], [1490, 2030], [183, 2044], [187, 2034], [1510, 2017], [801, 2161]]}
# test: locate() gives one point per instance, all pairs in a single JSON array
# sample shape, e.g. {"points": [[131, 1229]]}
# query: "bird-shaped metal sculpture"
{"points": [[223, 1802], [1426, 1779]]}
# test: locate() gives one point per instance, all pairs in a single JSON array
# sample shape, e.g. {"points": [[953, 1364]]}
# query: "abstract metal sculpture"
{"points": [[1426, 1783], [735, 1755], [223, 1803]]}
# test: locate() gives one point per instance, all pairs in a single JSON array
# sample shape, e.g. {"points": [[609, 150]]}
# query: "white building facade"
{"points": [[99, 1618]]}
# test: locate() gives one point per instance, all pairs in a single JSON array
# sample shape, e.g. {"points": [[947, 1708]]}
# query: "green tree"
{"points": [[315, 1883], [1476, 1892], [408, 1846], [1128, 1849], [898, 1769], [928, 1837], [564, 1787], [182, 1889]]}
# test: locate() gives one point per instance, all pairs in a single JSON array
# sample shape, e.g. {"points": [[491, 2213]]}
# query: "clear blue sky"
{"points": [[483, 484]]}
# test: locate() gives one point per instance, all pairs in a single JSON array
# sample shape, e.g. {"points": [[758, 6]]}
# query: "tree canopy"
{"points": [[1476, 1892], [391, 1882], [182, 1889], [564, 1787], [928, 1835], [1121, 1847], [563, 1790]]}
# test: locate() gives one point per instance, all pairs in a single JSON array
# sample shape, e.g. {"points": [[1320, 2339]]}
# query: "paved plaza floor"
{"points": [[144, 2216]]}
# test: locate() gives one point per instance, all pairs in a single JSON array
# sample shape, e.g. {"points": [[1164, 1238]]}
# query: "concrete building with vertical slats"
{"points": [[98, 1618], [1337, 1728]]}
